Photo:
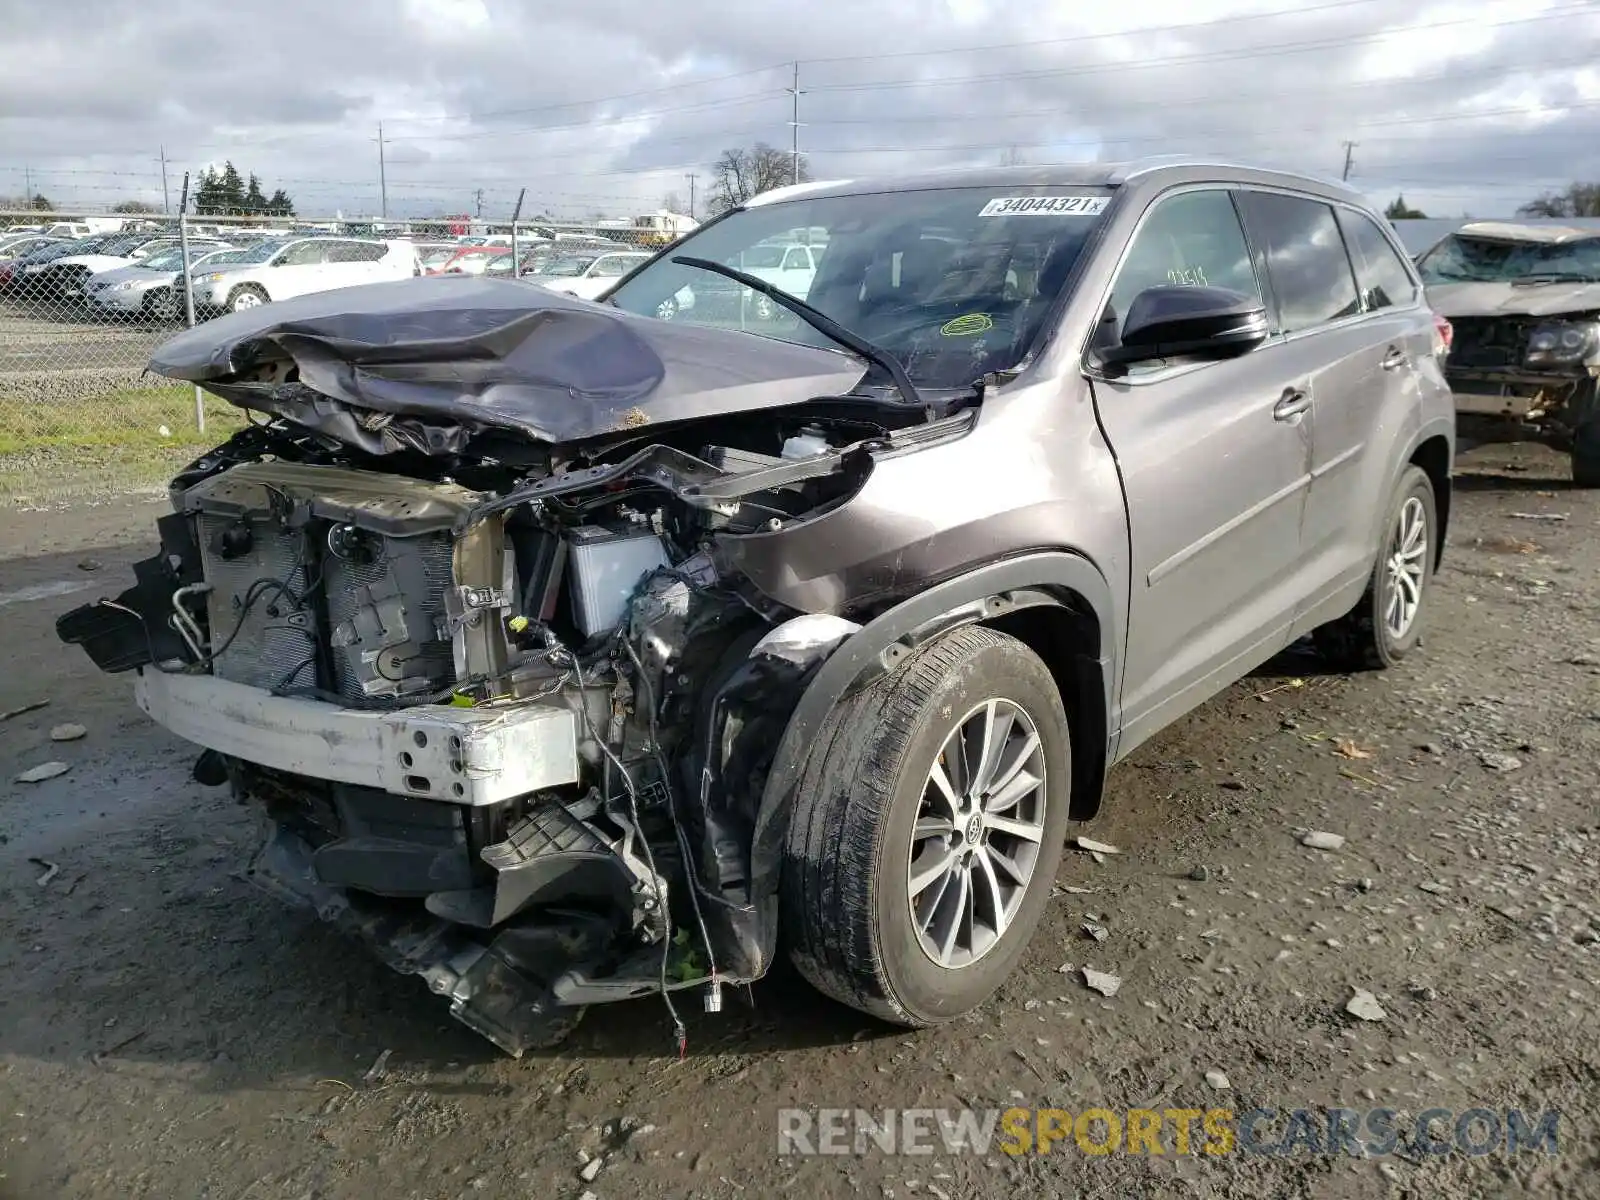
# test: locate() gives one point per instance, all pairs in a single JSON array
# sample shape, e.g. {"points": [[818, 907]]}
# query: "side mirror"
{"points": [[1174, 321]]}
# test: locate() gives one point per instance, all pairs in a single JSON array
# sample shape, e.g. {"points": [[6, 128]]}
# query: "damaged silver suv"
{"points": [[573, 655]]}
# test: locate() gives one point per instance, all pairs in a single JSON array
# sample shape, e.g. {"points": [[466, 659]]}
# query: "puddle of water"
{"points": [[43, 591]]}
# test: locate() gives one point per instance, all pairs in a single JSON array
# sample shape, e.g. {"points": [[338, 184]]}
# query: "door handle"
{"points": [[1394, 359], [1290, 405]]}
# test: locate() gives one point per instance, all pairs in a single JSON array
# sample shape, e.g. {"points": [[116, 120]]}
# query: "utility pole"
{"points": [[383, 178], [794, 124], [166, 200], [691, 177], [1349, 152], [27, 187], [478, 197]]}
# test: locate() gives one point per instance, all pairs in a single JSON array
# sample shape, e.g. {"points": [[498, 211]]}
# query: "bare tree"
{"points": [[1012, 157], [672, 202], [1576, 200], [134, 206], [742, 173]]}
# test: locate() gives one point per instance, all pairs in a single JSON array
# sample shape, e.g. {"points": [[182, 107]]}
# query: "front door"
{"points": [[1215, 462]]}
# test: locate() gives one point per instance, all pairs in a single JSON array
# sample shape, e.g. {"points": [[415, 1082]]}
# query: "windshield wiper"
{"points": [[818, 320]]}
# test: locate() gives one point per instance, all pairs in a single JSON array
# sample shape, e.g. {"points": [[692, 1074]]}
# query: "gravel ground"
{"points": [[165, 1033]]}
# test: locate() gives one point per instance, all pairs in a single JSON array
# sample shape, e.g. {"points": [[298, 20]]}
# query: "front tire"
{"points": [[1387, 624], [928, 829], [1586, 454], [245, 296]]}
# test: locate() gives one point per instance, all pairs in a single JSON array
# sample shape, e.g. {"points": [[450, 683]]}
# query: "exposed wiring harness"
{"points": [[672, 809]]}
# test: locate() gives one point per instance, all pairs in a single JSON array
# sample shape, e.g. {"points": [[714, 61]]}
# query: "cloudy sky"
{"points": [[608, 105]]}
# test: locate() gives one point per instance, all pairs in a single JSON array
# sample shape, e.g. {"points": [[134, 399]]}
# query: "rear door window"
{"points": [[1306, 260], [1384, 279]]}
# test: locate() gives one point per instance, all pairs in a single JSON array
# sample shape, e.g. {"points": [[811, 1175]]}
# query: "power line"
{"points": [[1143, 31], [1204, 57]]}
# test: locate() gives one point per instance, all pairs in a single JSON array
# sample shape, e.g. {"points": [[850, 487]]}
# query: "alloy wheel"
{"points": [[1406, 568], [978, 833]]}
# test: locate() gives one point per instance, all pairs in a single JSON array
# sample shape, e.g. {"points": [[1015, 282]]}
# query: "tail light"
{"points": [[1442, 335]]}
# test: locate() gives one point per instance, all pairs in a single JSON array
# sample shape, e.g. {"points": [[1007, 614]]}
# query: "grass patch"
{"points": [[117, 441], [129, 418]]}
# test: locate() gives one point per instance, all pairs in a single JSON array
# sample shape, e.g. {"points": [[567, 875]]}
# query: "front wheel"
{"points": [[1387, 624], [928, 829], [246, 296], [1586, 454]]}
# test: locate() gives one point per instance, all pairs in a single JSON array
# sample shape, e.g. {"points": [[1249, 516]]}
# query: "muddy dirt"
{"points": [[165, 1032]]}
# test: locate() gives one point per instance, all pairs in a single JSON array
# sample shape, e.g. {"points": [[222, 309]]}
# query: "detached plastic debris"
{"points": [[43, 771], [1098, 981]]}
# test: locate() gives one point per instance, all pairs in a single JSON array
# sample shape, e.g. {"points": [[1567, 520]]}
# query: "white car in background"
{"points": [[589, 274], [300, 266], [788, 266]]}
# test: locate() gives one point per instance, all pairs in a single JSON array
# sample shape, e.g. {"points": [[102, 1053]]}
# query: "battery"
{"points": [[605, 567]]}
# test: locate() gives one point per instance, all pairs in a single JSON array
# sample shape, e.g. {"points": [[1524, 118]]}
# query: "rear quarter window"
{"points": [[1384, 279]]}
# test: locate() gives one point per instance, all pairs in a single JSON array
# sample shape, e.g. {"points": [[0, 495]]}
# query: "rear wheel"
{"points": [[928, 830], [1387, 624]]}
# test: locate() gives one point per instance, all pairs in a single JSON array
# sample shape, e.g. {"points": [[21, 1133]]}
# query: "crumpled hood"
{"points": [[1512, 300], [470, 353]]}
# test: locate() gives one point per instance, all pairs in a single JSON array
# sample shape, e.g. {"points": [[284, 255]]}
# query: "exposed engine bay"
{"points": [[506, 702]]}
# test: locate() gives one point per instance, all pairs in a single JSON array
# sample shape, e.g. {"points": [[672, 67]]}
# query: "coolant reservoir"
{"points": [[808, 443]]}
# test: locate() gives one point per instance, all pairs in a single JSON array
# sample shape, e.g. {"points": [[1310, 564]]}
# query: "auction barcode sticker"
{"points": [[1045, 206]]}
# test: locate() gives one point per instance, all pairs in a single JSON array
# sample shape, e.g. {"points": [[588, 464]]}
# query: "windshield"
{"points": [[954, 282], [168, 260], [259, 253], [67, 249], [217, 257], [567, 264], [122, 246], [1460, 259]]}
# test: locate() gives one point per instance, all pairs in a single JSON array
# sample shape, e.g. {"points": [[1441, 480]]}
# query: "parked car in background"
{"points": [[788, 266], [149, 289], [17, 245], [64, 279], [532, 259], [470, 260], [1523, 301], [302, 266], [24, 277], [586, 273], [589, 273]]}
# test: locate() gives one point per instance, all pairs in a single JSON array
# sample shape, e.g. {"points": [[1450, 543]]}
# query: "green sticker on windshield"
{"points": [[968, 326]]}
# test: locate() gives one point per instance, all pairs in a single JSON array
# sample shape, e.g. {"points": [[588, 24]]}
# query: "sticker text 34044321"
{"points": [[1045, 206]]}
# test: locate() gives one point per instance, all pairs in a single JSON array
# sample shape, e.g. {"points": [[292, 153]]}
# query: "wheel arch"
{"points": [[1434, 455], [1056, 602]]}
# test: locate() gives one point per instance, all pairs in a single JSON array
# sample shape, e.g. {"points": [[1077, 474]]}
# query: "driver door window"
{"points": [[1193, 239]]}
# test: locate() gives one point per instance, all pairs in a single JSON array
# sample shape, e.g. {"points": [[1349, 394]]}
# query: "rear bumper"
{"points": [[466, 756]]}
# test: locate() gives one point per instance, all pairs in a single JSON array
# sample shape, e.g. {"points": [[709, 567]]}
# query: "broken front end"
{"points": [[506, 707], [1527, 378]]}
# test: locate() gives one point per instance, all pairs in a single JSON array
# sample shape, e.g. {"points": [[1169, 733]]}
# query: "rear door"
{"points": [[1341, 346], [1215, 461]]}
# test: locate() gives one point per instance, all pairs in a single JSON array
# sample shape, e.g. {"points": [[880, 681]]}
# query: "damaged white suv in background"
{"points": [[570, 653]]}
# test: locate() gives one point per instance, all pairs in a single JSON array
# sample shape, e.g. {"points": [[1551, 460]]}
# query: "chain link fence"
{"points": [[85, 299]]}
